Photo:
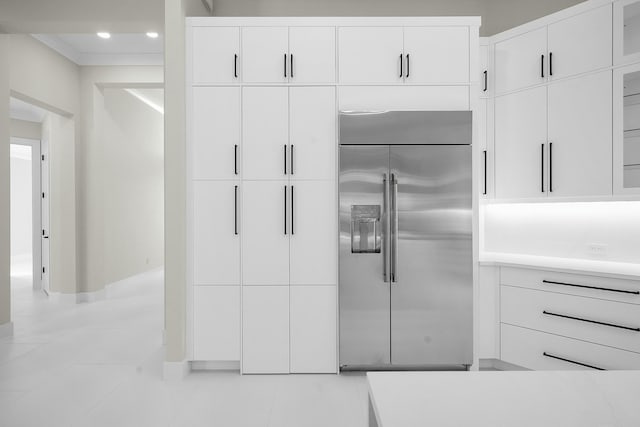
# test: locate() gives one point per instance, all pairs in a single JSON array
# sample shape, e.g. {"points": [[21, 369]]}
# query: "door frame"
{"points": [[36, 207]]}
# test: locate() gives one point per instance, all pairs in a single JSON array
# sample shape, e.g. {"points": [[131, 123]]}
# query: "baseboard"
{"points": [[175, 371], [80, 297], [230, 365], [6, 330]]}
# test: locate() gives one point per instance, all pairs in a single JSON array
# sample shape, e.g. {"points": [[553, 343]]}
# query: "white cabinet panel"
{"points": [[372, 98], [313, 329], [520, 132], [518, 61], [370, 54], [265, 329], [581, 43], [215, 51], [436, 54], [216, 138], [313, 50], [312, 127], [314, 233], [580, 131], [265, 232], [216, 246], [265, 124], [216, 323], [263, 54]]}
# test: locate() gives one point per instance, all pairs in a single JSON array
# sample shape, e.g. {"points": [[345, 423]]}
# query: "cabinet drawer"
{"points": [[604, 322], [527, 348], [574, 284]]}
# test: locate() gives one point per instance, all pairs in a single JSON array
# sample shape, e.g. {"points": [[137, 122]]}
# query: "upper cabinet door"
{"points": [[312, 127], [521, 61], [216, 133], [580, 133], [312, 53], [265, 125], [216, 52], [370, 54], [265, 54], [581, 43], [520, 135], [436, 55]]}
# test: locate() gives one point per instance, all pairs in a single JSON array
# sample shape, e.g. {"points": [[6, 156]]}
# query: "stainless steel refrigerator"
{"points": [[405, 240]]}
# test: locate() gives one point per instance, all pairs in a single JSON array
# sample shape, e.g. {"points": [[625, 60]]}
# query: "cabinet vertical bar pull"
{"points": [[485, 172], [542, 66], [401, 61], [572, 361], [235, 65], [235, 211], [385, 221], [285, 65], [542, 169], [485, 81], [291, 68], [285, 210], [291, 154], [408, 65], [292, 221], [235, 159], [285, 158], [550, 167], [551, 63]]}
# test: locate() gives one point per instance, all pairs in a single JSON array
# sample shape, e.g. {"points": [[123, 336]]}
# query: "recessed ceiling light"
{"points": [[104, 35], [152, 34]]}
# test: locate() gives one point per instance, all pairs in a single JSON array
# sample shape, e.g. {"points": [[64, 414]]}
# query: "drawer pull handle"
{"points": [[572, 361], [613, 325], [592, 287]]}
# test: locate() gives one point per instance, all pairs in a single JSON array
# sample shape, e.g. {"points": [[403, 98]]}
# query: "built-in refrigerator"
{"points": [[406, 281]]}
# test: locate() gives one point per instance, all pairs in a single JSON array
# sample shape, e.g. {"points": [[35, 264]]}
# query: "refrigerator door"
{"points": [[431, 298], [364, 293]]}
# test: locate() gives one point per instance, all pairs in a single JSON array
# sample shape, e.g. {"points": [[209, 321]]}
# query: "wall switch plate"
{"points": [[597, 250]]}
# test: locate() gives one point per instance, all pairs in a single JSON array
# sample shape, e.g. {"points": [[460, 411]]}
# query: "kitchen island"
{"points": [[504, 399]]}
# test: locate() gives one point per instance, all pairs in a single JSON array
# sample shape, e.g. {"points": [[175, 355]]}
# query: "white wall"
{"points": [[132, 137], [5, 243], [21, 201], [26, 129], [565, 229]]}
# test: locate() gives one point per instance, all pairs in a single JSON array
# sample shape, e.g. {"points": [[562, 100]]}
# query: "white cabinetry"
{"points": [[215, 52], [519, 61], [370, 54], [265, 329], [216, 315], [436, 54], [264, 54], [312, 53]]}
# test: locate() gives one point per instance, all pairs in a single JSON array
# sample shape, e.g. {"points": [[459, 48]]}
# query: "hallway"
{"points": [[100, 364]]}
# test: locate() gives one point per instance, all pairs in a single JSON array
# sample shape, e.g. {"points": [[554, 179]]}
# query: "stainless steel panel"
{"points": [[431, 299], [405, 128], [364, 295]]}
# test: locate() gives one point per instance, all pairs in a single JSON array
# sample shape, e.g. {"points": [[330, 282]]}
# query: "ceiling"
{"points": [[120, 49], [24, 111]]}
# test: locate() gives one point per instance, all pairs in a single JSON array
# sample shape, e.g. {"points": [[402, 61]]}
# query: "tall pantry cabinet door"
{"points": [[216, 52], [265, 125], [580, 131], [216, 323], [314, 232], [312, 128], [265, 232], [519, 62], [216, 138], [520, 142], [265, 329], [370, 54], [436, 54], [263, 54], [581, 43], [313, 329], [313, 54], [216, 238]]}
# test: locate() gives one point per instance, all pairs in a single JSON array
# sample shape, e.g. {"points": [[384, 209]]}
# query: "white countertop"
{"points": [[568, 264], [506, 399]]}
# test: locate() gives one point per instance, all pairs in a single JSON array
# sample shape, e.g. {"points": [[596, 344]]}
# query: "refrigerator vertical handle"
{"points": [[394, 229], [385, 224]]}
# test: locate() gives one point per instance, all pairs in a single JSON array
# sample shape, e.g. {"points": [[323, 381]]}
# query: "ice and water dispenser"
{"points": [[365, 229]]}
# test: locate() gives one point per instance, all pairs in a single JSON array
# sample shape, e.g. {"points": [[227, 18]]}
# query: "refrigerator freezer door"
{"points": [[364, 294], [431, 300]]}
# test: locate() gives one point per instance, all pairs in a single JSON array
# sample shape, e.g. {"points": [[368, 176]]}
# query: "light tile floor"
{"points": [[100, 364]]}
